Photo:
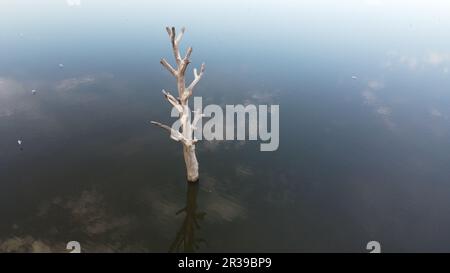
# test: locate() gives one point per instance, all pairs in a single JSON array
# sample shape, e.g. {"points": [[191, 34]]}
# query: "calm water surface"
{"points": [[364, 95]]}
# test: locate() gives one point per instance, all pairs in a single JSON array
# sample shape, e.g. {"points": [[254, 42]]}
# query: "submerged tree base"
{"points": [[191, 163]]}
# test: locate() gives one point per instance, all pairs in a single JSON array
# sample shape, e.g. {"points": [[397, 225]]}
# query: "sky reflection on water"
{"points": [[363, 89]]}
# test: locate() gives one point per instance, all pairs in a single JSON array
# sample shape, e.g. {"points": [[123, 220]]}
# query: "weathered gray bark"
{"points": [[186, 136]]}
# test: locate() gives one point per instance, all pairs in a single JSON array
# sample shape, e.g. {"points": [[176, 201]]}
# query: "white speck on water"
{"points": [[435, 113], [33, 91], [383, 110], [19, 142], [354, 77], [61, 65]]}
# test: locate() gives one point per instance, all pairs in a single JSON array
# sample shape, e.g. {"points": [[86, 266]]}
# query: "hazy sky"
{"points": [[349, 23], [232, 13]]}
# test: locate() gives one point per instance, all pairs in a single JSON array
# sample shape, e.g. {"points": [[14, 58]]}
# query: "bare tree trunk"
{"points": [[191, 163], [186, 136]]}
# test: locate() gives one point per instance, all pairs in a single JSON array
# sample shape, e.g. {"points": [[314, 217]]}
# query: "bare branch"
{"points": [[174, 134], [173, 34], [172, 100], [184, 63], [178, 39], [162, 125], [169, 67], [173, 40], [188, 54], [197, 77], [169, 31]]}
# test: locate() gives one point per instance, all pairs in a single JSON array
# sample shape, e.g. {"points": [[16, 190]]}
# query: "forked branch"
{"points": [[172, 100], [182, 64], [197, 78], [168, 67]]}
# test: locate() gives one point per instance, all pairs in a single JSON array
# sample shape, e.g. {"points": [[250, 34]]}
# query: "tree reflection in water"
{"points": [[185, 240]]}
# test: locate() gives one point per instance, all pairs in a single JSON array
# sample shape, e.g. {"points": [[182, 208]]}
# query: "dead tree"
{"points": [[186, 136]]}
